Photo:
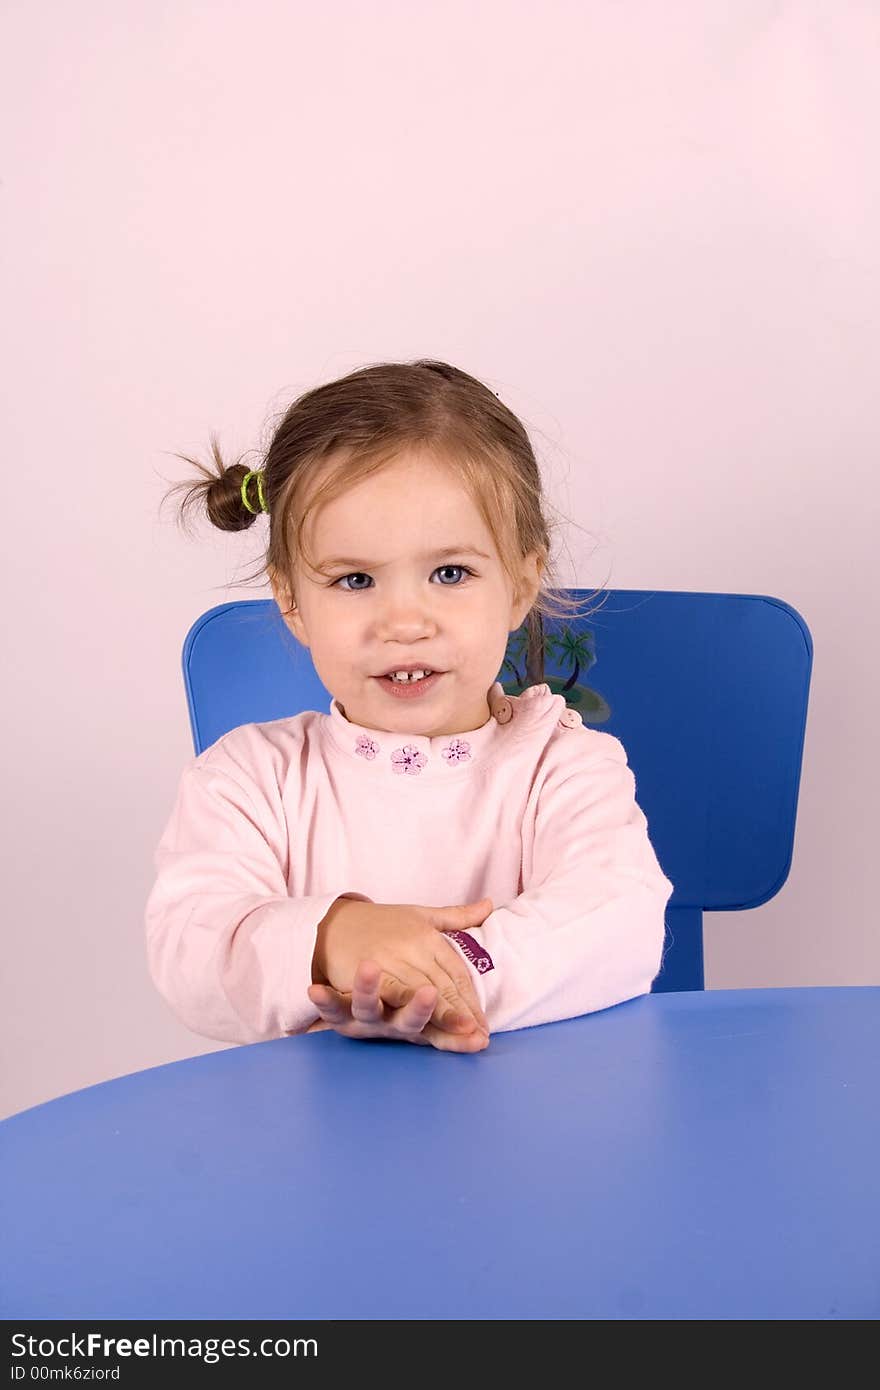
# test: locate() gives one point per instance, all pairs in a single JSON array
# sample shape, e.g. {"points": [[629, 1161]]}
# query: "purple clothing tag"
{"points": [[477, 955]]}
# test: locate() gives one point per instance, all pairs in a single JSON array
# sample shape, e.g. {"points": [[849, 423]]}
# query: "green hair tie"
{"points": [[258, 474]]}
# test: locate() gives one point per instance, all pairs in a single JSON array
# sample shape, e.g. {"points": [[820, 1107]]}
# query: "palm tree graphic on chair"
{"points": [[574, 651]]}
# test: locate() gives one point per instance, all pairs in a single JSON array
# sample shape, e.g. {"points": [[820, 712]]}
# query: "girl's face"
{"points": [[383, 595]]}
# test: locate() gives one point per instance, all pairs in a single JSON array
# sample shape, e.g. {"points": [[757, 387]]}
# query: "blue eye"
{"points": [[336, 582]]}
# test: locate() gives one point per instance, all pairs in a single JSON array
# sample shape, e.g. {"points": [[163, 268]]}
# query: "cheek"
{"points": [[338, 629]]}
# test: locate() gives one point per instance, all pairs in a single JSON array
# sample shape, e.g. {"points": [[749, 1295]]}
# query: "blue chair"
{"points": [[707, 692]]}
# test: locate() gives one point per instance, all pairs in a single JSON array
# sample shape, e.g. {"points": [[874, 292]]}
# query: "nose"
{"points": [[404, 615]]}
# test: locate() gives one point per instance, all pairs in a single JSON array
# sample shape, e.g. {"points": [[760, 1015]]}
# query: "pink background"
{"points": [[652, 228]]}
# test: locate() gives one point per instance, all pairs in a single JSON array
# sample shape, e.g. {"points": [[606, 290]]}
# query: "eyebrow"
{"points": [[430, 555]]}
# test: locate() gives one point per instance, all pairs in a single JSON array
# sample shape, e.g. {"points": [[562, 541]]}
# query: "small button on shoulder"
{"points": [[500, 704], [570, 719], [503, 711]]}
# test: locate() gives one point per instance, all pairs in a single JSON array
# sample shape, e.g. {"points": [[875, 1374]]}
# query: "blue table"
{"points": [[681, 1156]]}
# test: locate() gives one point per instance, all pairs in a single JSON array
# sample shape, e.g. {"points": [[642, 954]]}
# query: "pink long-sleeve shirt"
{"points": [[275, 821]]}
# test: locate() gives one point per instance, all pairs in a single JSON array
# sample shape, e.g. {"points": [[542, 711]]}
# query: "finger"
{"points": [[330, 1005], [412, 1018], [398, 991], [326, 994], [337, 1012], [455, 1042], [412, 1024], [395, 991], [366, 1005], [457, 915], [460, 990], [343, 1023], [413, 977]]}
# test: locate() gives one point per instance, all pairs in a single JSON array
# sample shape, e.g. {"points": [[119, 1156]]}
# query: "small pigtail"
{"points": [[233, 500], [232, 495]]}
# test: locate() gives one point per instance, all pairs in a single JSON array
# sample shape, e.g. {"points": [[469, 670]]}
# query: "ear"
{"points": [[530, 583], [283, 596]]}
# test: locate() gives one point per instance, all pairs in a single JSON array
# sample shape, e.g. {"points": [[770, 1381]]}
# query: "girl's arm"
{"points": [[227, 948], [588, 930]]}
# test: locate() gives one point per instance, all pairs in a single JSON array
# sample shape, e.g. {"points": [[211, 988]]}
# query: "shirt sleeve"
{"points": [[227, 947], [588, 929]]}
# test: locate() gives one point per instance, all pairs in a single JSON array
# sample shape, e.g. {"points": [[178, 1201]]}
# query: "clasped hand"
{"points": [[385, 971]]}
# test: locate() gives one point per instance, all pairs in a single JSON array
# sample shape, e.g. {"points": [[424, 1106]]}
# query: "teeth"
{"points": [[403, 676]]}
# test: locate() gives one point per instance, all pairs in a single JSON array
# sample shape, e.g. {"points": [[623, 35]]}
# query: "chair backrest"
{"points": [[707, 692]]}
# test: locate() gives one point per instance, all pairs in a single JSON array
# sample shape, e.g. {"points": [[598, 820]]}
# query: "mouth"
{"points": [[410, 689]]}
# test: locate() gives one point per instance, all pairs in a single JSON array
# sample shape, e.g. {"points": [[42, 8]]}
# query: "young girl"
{"points": [[433, 859]]}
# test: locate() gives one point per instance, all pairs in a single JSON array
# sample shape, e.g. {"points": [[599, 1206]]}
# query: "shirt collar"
{"points": [[408, 756]]}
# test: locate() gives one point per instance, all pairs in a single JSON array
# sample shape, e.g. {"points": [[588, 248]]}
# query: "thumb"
{"points": [[459, 915], [470, 911]]}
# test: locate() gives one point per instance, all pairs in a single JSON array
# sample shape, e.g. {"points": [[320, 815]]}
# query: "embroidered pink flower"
{"points": [[366, 747], [408, 759], [458, 751]]}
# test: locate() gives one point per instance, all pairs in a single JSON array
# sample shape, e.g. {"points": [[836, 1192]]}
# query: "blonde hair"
{"points": [[335, 435]]}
